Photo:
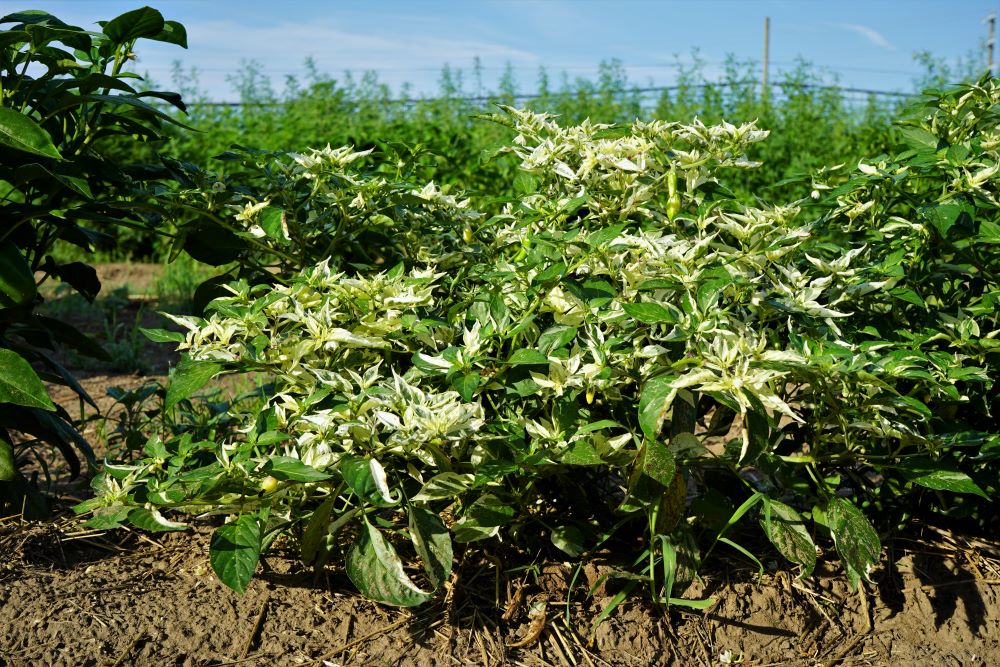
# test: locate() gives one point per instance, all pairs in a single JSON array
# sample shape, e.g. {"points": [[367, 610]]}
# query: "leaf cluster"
{"points": [[65, 92]]}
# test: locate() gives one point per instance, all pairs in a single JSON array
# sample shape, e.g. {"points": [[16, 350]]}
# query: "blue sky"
{"points": [[866, 44]]}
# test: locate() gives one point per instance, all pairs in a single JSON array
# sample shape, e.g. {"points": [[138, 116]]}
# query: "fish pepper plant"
{"points": [[623, 347], [70, 113]]}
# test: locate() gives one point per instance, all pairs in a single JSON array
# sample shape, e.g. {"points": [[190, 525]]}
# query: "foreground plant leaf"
{"points": [[854, 538], [932, 475], [374, 567], [432, 541], [235, 551], [189, 377], [19, 384], [787, 532]]}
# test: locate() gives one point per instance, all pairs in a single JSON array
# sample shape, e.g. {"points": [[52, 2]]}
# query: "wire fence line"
{"points": [[857, 93]]}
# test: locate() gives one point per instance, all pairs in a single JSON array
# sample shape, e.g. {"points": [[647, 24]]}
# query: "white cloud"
{"points": [[871, 34], [218, 47]]}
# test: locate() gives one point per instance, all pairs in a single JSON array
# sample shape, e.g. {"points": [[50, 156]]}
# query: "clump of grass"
{"points": [[176, 286]]}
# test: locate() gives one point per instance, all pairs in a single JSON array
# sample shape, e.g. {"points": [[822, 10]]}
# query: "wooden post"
{"points": [[767, 45], [991, 21]]}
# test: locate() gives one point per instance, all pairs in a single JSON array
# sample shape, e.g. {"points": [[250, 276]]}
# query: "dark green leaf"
{"points": [[142, 22], [235, 551], [288, 468], [528, 357], [172, 33], [445, 485], [649, 313], [940, 477], [555, 337], [374, 567], [272, 221], [152, 521], [17, 283], [918, 138], [316, 531], [433, 544], [466, 385], [653, 404], [189, 377], [568, 539], [8, 469], [82, 277], [19, 384], [788, 533], [162, 335], [21, 133], [854, 537], [482, 519], [659, 463]]}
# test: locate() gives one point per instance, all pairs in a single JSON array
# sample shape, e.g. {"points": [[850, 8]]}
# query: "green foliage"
{"points": [[813, 125], [557, 370], [64, 95]]}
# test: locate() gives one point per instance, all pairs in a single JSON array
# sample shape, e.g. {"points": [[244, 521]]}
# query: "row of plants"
{"points": [[625, 350], [608, 348], [813, 122]]}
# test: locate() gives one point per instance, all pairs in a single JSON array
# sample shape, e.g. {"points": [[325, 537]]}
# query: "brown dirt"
{"points": [[68, 597], [73, 597]]}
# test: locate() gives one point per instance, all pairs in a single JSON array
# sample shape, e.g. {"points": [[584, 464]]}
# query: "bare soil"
{"points": [[74, 597], [68, 597]]}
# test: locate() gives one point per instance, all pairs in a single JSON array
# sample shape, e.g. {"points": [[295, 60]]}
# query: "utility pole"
{"points": [[991, 21], [767, 46]]}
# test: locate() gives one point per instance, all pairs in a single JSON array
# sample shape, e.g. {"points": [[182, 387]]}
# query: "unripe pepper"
{"points": [[268, 485]]}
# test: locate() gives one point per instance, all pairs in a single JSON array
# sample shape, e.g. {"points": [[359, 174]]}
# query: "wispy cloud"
{"points": [[218, 47], [871, 34]]}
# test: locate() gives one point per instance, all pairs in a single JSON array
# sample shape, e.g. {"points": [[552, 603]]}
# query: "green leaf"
{"points": [[152, 521], [649, 313], [142, 22], [187, 378], [17, 284], [8, 469], [445, 486], [376, 570], [466, 385], [235, 551], [787, 532], [21, 133], [172, 33], [108, 518], [272, 222], [568, 539], [555, 337], [288, 468], [946, 215], [917, 138], [316, 531], [482, 519], [162, 335], [581, 453], [433, 544], [356, 471], [653, 404], [854, 537], [659, 463], [605, 235], [527, 357], [19, 384], [937, 476]]}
